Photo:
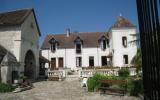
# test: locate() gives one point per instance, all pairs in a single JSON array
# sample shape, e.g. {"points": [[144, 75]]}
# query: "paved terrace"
{"points": [[69, 89]]}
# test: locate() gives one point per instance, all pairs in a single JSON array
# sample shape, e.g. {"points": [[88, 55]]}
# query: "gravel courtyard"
{"points": [[69, 89]]}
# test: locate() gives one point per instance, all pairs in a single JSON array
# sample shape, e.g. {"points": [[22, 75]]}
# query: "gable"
{"points": [[16, 18]]}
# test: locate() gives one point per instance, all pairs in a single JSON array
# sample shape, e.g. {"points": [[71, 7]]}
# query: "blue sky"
{"points": [[54, 16]]}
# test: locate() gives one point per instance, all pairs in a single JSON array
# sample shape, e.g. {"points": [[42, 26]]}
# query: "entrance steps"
{"points": [[72, 77]]}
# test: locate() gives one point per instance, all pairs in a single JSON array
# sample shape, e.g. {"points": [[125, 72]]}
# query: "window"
{"points": [[53, 63], [53, 47], [104, 60], [104, 42], [78, 48], [78, 61], [78, 45], [124, 41], [125, 59], [53, 44], [107, 42], [91, 61]]}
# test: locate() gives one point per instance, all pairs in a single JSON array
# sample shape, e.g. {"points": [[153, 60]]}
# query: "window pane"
{"points": [[78, 61], [104, 60], [78, 48], [125, 58], [104, 44], [124, 41], [91, 61]]}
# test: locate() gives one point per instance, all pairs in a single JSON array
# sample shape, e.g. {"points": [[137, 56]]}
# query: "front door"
{"points": [[60, 62], [53, 63]]}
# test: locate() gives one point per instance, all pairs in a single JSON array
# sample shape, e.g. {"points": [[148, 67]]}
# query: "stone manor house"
{"points": [[74, 50], [20, 54]]}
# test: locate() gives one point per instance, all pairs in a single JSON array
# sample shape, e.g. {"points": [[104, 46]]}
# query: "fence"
{"points": [[149, 25]]}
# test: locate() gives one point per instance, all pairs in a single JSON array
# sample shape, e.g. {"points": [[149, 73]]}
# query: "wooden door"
{"points": [[60, 62], [53, 63]]}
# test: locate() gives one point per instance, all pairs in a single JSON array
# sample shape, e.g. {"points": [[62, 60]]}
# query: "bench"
{"points": [[106, 87]]}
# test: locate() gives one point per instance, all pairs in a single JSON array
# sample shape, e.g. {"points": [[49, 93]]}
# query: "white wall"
{"points": [[70, 58], [118, 48]]}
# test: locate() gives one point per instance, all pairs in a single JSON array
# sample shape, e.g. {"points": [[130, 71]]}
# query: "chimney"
{"points": [[68, 32]]}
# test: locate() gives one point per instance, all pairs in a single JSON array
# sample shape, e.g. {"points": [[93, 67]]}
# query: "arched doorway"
{"points": [[30, 65], [3, 52]]}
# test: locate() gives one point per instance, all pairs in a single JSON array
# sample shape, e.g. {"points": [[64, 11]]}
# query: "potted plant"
{"points": [[23, 78]]}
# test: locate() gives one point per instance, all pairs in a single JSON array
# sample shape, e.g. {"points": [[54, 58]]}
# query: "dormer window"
{"points": [[53, 47], [104, 42], [78, 45], [78, 48], [53, 44]]}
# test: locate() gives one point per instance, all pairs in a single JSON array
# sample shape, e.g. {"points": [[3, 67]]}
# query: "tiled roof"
{"points": [[122, 22], [3, 51], [14, 17], [90, 39], [17, 17], [43, 59]]}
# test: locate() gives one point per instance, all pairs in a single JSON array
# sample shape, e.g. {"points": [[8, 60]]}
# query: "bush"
{"points": [[70, 73], [6, 87], [93, 83], [136, 87], [124, 73]]}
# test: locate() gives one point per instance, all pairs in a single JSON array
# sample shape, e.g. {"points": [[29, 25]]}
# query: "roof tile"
{"points": [[90, 39]]}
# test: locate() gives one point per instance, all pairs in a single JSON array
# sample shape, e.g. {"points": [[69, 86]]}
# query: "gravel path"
{"points": [[64, 90]]}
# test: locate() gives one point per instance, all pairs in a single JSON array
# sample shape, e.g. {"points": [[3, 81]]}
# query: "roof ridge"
{"points": [[75, 33], [15, 10]]}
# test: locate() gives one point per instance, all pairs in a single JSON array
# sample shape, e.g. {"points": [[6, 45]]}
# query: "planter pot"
{"points": [[16, 81]]}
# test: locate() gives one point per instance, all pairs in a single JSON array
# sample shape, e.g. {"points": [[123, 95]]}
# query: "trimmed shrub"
{"points": [[6, 87]]}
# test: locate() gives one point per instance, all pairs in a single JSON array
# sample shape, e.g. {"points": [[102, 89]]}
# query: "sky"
{"points": [[54, 16]]}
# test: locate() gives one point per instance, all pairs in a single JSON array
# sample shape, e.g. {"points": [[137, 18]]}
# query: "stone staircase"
{"points": [[72, 77]]}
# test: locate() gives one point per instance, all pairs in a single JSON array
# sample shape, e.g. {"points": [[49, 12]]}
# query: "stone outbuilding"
{"points": [[19, 45]]}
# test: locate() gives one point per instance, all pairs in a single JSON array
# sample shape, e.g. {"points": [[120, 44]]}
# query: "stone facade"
{"points": [[18, 40]]}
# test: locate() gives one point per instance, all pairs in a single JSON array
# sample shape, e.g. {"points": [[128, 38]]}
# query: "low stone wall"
{"points": [[56, 74], [113, 71]]}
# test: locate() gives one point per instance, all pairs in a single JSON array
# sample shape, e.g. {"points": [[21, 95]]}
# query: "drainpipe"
{"points": [[97, 56], [65, 59], [48, 59]]}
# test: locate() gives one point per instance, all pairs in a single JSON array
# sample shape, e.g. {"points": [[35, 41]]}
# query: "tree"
{"points": [[137, 60]]}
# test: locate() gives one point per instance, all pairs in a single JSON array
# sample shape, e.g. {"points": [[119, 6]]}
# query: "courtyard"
{"points": [[69, 89]]}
